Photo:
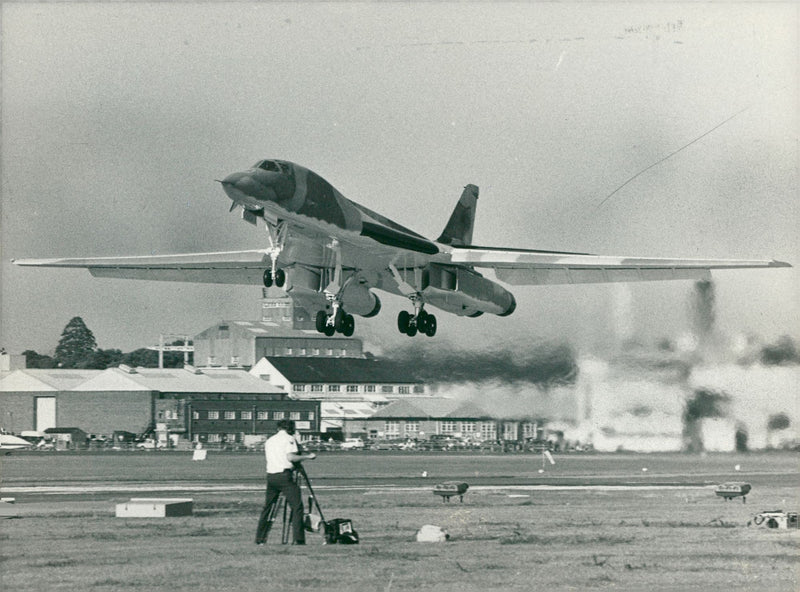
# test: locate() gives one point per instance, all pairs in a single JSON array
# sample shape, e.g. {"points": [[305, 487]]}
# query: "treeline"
{"points": [[77, 348]]}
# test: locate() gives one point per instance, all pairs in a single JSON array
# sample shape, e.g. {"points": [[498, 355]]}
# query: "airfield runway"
{"points": [[622, 522]]}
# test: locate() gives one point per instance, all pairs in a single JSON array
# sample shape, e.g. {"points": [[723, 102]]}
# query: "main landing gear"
{"points": [[338, 321], [422, 322]]}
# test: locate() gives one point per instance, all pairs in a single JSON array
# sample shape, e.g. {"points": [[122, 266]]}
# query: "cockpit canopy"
{"points": [[272, 166]]}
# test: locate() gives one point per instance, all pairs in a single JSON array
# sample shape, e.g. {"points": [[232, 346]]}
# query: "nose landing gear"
{"points": [[277, 234]]}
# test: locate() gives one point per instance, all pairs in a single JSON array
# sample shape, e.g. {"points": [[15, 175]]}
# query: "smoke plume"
{"points": [[543, 365]]}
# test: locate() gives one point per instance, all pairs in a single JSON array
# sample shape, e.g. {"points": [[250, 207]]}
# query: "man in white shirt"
{"points": [[281, 453]]}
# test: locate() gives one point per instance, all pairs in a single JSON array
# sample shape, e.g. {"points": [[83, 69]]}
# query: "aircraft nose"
{"points": [[243, 188]]}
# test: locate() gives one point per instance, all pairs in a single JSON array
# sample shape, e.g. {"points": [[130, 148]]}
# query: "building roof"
{"points": [[167, 380], [343, 370], [262, 329], [346, 410], [53, 379], [431, 408]]}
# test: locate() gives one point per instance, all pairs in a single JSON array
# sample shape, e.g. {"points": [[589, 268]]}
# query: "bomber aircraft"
{"points": [[330, 254]]}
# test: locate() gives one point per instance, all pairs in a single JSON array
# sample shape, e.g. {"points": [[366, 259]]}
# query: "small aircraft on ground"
{"points": [[330, 254]]}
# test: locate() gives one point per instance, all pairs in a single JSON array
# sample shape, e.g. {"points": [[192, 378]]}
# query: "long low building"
{"points": [[210, 405]]}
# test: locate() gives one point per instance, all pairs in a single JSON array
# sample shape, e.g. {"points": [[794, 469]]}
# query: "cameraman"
{"points": [[281, 451]]}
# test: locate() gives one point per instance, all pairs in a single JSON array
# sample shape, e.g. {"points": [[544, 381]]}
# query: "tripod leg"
{"points": [[287, 517]]}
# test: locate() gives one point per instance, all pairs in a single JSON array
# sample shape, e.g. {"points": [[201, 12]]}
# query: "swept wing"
{"points": [[528, 267], [230, 267]]}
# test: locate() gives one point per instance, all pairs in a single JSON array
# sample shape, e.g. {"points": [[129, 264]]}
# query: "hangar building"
{"points": [[212, 405]]}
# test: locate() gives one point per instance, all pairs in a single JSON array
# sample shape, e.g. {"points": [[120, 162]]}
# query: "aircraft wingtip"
{"points": [[776, 263]]}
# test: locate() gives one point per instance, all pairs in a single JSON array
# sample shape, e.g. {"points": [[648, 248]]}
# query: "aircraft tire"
{"points": [[402, 321], [338, 321], [430, 326], [349, 325], [411, 331], [268, 278], [422, 321], [329, 330], [280, 278], [320, 321]]}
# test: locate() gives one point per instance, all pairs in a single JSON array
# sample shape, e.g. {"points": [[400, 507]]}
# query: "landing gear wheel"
{"points": [[412, 330], [402, 321], [422, 321], [268, 278], [280, 278], [430, 326], [348, 325], [338, 320], [320, 321], [329, 330]]}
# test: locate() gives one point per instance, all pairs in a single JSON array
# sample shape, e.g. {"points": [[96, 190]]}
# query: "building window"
{"points": [[488, 430], [369, 388], [294, 415], [278, 415], [468, 427], [412, 427], [352, 388], [288, 351], [299, 388], [343, 352], [247, 415], [419, 389], [447, 427], [529, 430], [311, 416], [230, 437], [213, 415], [303, 351], [215, 437], [229, 415], [315, 351], [404, 390], [333, 388], [392, 428], [510, 431], [386, 388], [262, 415], [195, 415], [316, 388]]}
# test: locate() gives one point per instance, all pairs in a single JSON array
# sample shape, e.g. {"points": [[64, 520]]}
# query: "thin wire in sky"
{"points": [[670, 155]]}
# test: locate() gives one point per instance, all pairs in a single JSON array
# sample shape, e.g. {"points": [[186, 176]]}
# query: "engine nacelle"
{"points": [[304, 286], [465, 292], [360, 300]]}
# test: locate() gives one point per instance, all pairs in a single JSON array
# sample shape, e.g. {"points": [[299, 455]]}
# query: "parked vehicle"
{"points": [[353, 444]]}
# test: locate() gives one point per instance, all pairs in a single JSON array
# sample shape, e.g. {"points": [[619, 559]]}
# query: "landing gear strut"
{"points": [[338, 320], [277, 239]]}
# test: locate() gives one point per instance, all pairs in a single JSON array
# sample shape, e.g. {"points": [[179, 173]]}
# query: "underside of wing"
{"points": [[527, 267], [232, 267]]}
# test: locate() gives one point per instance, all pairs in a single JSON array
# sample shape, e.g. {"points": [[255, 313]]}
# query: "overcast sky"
{"points": [[117, 118]]}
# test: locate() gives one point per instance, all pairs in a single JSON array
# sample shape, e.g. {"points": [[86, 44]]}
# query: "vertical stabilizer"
{"points": [[458, 231]]}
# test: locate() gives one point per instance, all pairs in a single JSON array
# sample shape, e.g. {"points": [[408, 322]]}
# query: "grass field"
{"points": [[660, 529]]}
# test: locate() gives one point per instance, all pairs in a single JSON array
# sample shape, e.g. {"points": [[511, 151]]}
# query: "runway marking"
{"points": [[372, 489]]}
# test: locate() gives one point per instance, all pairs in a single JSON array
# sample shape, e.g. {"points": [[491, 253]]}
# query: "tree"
{"points": [[76, 346], [34, 360], [783, 351], [779, 421]]}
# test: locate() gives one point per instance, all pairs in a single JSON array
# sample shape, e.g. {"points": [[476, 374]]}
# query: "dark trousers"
{"points": [[277, 484]]}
